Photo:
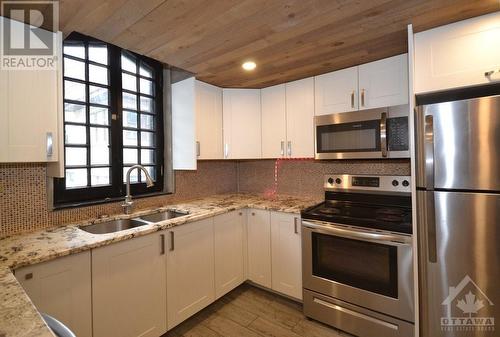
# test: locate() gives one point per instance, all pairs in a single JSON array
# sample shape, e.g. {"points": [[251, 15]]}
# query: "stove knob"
{"points": [[330, 181], [406, 183], [395, 183], [338, 181]]}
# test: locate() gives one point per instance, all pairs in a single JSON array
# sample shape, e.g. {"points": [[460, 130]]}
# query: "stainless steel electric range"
{"points": [[358, 256]]}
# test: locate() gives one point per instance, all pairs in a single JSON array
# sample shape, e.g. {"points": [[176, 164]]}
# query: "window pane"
{"points": [[98, 95], [146, 87], [129, 119], [130, 156], [129, 82], [74, 113], [133, 175], [99, 176], [129, 101], [74, 69], [76, 178], [99, 146], [147, 122], [98, 53], [74, 50], [74, 91], [128, 64], [144, 70], [146, 104], [75, 134], [99, 115], [98, 74], [147, 139], [147, 157], [151, 171], [130, 138], [76, 156]]}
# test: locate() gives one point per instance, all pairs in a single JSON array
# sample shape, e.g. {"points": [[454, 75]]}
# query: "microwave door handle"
{"points": [[383, 134]]}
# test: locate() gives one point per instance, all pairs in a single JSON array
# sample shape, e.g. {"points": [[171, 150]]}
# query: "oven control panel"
{"points": [[364, 183]]}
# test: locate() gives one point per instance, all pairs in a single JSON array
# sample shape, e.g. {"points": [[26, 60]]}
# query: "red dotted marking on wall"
{"points": [[273, 191]]}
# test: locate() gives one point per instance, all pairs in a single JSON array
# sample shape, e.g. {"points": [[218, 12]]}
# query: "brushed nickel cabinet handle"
{"points": [[289, 148], [226, 150], [282, 148], [50, 144], [295, 227], [197, 149], [172, 241], [362, 97], [491, 72], [352, 99], [28, 276], [162, 244]]}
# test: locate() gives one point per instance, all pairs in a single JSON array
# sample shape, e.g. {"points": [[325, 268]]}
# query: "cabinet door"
{"points": [[62, 289], [208, 121], [259, 247], [273, 121], [129, 288], [336, 92], [384, 82], [300, 118], [229, 255], [183, 125], [286, 249], [190, 265], [458, 55], [242, 124]]}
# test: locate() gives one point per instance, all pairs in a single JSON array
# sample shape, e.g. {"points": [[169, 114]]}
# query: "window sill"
{"points": [[70, 205]]}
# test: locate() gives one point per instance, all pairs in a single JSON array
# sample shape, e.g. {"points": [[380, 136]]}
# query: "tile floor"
{"points": [[249, 311]]}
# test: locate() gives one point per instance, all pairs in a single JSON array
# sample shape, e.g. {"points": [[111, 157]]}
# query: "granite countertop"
{"points": [[18, 315]]}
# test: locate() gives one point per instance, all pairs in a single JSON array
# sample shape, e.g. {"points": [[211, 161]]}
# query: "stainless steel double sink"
{"points": [[123, 224]]}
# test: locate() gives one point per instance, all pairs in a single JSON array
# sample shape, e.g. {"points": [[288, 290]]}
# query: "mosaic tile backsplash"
{"points": [[23, 199], [23, 196]]}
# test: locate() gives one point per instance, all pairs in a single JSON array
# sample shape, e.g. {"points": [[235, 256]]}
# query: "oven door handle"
{"points": [[359, 235]]}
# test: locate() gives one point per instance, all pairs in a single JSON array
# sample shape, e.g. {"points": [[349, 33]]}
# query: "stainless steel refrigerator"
{"points": [[458, 209]]}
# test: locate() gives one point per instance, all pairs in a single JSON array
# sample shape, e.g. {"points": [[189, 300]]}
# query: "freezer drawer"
{"points": [[353, 319], [458, 145], [459, 260]]}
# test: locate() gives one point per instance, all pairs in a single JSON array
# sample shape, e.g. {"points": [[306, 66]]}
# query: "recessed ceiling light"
{"points": [[249, 65]]}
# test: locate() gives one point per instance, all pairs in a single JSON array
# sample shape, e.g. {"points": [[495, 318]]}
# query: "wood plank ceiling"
{"points": [[288, 39]]}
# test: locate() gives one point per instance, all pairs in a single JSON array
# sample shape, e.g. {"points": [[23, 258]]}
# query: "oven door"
{"points": [[370, 269]]}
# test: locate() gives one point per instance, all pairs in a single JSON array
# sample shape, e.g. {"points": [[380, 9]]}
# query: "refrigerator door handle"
{"points": [[430, 219], [429, 151]]}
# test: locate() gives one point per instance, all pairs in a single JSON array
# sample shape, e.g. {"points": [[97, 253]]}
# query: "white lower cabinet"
{"points": [[229, 252], [190, 270], [286, 247], [129, 288], [62, 289], [259, 247]]}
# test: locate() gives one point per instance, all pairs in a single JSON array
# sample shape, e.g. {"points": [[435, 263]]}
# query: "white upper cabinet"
{"points": [[384, 83], [242, 124], [129, 288], [62, 289], [336, 91], [286, 247], [273, 100], [208, 121], [458, 55], [183, 124], [300, 118], [29, 112], [229, 252]]}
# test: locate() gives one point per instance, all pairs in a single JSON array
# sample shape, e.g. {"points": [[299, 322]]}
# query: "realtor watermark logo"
{"points": [[467, 308], [28, 40]]}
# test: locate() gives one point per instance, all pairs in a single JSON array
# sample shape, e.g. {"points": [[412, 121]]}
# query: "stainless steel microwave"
{"points": [[367, 134]]}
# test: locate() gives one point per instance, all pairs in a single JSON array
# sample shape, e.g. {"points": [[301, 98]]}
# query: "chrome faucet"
{"points": [[128, 204]]}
